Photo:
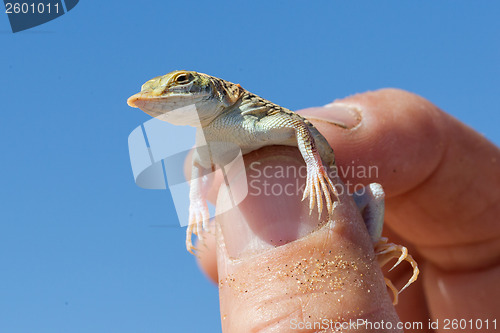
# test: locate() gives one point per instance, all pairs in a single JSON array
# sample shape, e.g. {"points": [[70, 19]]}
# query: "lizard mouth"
{"points": [[138, 100], [146, 102], [145, 98], [152, 105], [157, 106]]}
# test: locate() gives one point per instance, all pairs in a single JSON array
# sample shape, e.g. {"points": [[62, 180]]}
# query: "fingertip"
{"points": [[328, 273]]}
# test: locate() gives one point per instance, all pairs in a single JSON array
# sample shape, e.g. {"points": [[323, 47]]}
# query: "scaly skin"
{"points": [[225, 112]]}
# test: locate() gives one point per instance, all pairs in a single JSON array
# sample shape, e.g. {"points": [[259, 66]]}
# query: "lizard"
{"points": [[226, 112]]}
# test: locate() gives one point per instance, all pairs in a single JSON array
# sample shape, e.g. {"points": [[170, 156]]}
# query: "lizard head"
{"points": [[185, 97]]}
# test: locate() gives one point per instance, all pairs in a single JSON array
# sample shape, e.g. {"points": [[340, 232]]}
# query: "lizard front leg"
{"points": [[198, 209], [279, 128], [318, 183]]}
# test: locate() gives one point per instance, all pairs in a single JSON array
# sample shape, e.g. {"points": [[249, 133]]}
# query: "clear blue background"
{"points": [[79, 250]]}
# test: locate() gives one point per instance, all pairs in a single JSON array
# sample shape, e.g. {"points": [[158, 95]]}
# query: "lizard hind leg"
{"points": [[387, 251]]}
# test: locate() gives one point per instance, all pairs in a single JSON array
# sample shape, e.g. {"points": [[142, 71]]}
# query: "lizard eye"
{"points": [[182, 78]]}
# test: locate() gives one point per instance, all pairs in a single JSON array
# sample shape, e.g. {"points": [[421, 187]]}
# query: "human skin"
{"points": [[442, 185]]}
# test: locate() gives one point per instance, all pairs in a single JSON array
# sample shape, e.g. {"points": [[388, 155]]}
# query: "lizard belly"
{"points": [[263, 142], [247, 138]]}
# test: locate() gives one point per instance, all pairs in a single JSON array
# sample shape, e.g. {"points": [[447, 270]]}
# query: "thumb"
{"points": [[282, 269]]}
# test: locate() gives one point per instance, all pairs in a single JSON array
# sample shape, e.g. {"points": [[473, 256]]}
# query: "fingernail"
{"points": [[273, 213], [339, 114]]}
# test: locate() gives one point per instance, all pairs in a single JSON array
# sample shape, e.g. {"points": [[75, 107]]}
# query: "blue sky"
{"points": [[80, 250]]}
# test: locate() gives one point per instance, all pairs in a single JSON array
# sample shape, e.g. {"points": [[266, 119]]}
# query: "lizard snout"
{"points": [[135, 100]]}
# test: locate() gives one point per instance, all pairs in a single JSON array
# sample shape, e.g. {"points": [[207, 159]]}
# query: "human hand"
{"points": [[442, 184]]}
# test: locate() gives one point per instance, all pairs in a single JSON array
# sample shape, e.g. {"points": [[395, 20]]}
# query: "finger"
{"points": [[466, 296], [442, 179], [280, 269], [442, 184]]}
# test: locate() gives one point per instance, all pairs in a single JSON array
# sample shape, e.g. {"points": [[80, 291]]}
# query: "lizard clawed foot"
{"points": [[387, 251], [318, 184], [198, 223]]}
